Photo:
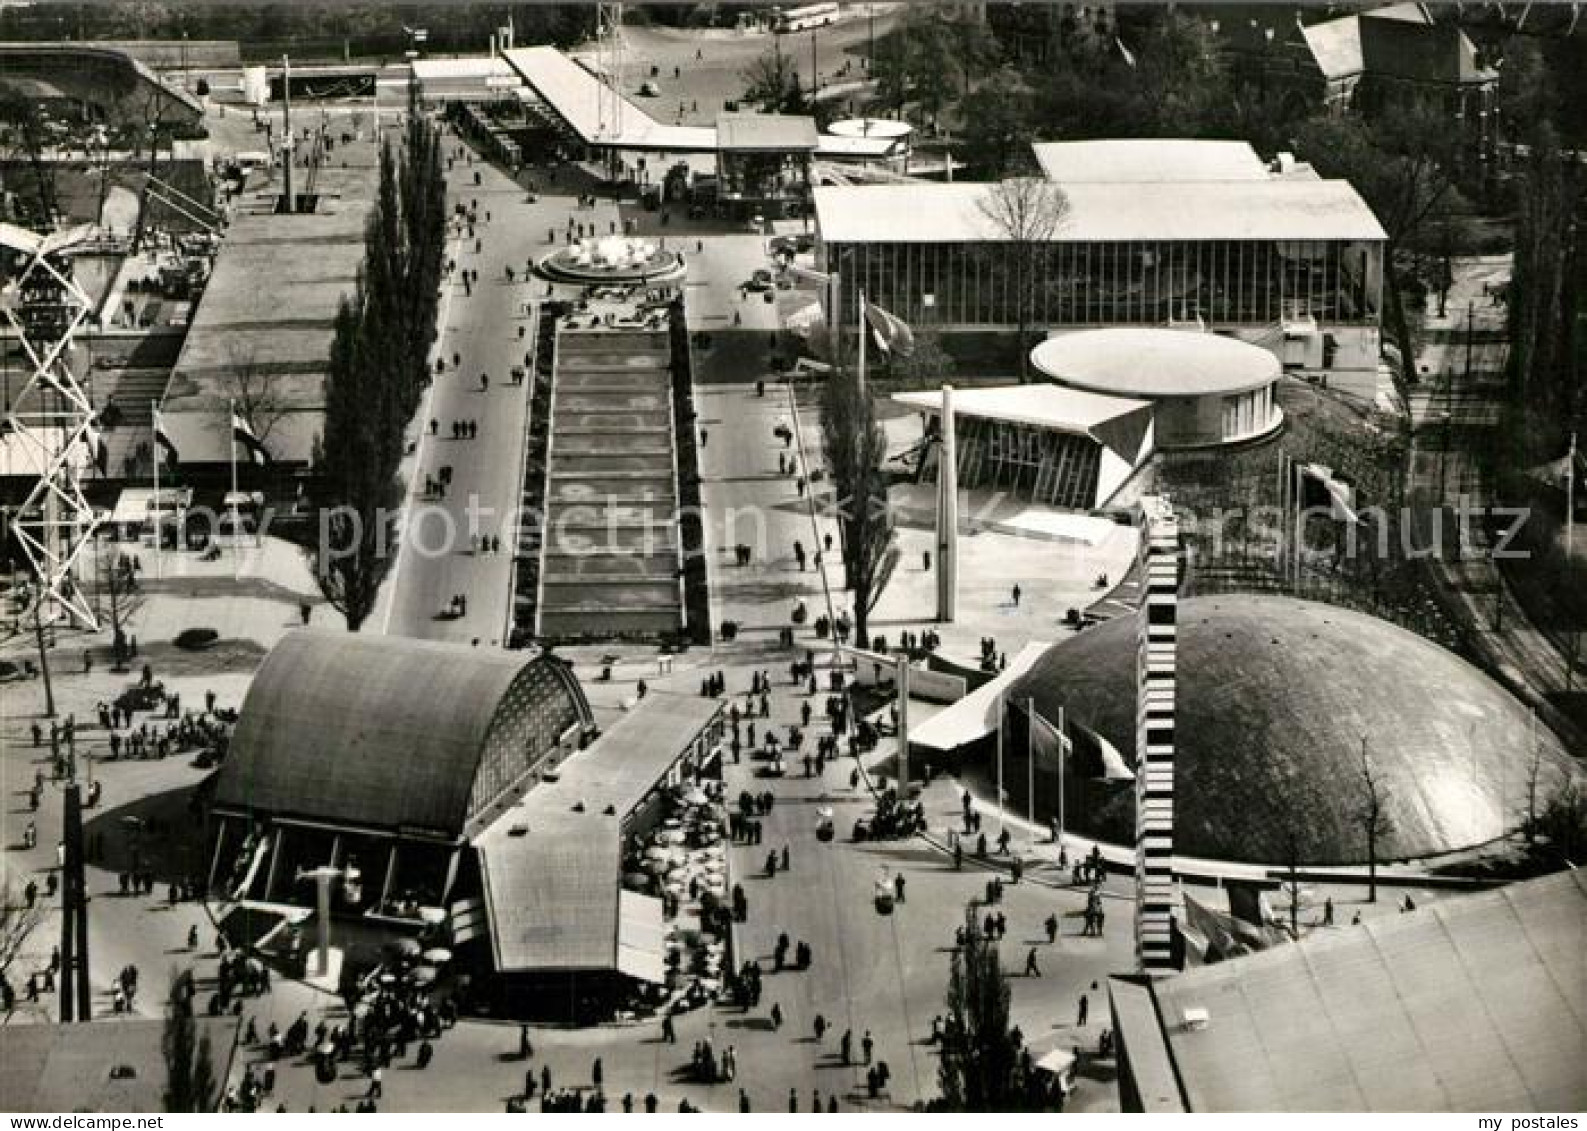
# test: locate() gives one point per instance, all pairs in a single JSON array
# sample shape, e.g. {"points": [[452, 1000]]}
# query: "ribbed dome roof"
{"points": [[1275, 697]]}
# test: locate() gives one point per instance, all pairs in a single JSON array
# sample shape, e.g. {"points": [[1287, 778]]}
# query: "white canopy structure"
{"points": [[976, 715]]}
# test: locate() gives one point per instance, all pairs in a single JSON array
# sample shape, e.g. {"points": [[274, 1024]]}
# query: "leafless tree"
{"points": [[771, 80], [17, 922], [1372, 816], [120, 584], [1025, 212], [254, 392], [1534, 774], [1292, 884], [23, 140], [42, 643]]}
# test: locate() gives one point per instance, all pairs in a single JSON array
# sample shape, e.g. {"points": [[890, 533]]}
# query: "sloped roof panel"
{"points": [[371, 731], [1473, 1003]]}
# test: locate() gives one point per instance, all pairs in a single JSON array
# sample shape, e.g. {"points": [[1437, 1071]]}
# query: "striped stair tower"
{"points": [[1154, 740]]}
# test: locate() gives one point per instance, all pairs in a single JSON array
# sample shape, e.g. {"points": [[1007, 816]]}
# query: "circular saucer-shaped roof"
{"points": [[1148, 362], [1275, 696], [871, 127]]}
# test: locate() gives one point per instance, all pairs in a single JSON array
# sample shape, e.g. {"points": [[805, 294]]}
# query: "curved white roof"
{"points": [[889, 128], [1149, 362]]}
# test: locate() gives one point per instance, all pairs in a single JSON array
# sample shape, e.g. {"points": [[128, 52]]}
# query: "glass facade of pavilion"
{"points": [[1225, 283]]}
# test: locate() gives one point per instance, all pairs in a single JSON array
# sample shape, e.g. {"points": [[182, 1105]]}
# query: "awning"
{"points": [[641, 937], [975, 716]]}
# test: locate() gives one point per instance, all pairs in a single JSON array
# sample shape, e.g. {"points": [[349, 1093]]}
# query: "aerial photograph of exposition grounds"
{"points": [[843, 557]]}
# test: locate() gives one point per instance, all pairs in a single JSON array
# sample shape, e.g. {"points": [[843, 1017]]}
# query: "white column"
{"points": [[901, 683], [948, 515]]}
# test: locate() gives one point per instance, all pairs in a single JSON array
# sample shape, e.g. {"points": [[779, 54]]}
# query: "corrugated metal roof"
{"points": [[373, 731], [56, 1068], [1275, 209], [765, 131], [1148, 160], [552, 863], [552, 892], [629, 757], [1471, 1004]]}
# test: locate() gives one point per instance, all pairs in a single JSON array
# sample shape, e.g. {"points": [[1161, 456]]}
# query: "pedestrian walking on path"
{"points": [[1034, 971], [1084, 1012]]}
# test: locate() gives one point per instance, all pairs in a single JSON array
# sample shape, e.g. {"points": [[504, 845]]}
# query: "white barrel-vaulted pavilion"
{"points": [[1205, 389]]}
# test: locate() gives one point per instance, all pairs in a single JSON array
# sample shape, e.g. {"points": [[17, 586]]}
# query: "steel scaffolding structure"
{"points": [[51, 415]]}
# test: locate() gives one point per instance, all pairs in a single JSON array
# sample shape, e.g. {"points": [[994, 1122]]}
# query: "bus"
{"points": [[803, 18]]}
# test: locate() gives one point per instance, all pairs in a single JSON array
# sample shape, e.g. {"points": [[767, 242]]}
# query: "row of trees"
{"points": [[378, 370], [856, 451], [1547, 295], [262, 26]]}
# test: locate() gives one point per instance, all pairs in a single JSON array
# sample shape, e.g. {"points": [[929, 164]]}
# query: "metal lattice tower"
{"points": [[51, 420]]}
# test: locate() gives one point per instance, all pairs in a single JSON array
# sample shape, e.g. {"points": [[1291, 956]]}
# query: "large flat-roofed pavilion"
{"points": [[1287, 260]]}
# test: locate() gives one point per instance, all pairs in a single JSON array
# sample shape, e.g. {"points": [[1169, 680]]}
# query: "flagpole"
{"points": [[231, 430], [1296, 470], [901, 678], [1002, 717], [1030, 759], [1063, 743], [1281, 557], [1570, 499], [158, 452], [864, 333]]}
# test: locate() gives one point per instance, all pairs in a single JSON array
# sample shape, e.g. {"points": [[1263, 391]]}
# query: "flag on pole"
{"points": [[1557, 472], [1100, 759], [1320, 487], [98, 450], [163, 438], [891, 334], [242, 434]]}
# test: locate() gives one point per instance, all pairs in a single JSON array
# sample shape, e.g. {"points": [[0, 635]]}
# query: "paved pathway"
{"points": [[480, 327]]}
